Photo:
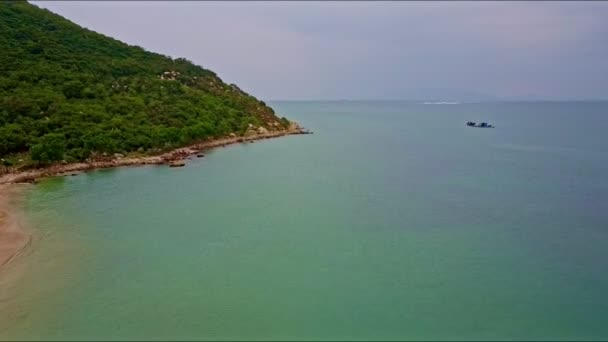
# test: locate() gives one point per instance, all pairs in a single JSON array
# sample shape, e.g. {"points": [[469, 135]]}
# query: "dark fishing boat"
{"points": [[481, 125]]}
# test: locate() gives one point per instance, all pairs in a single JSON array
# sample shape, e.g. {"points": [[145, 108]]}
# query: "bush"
{"points": [[68, 92], [49, 148]]}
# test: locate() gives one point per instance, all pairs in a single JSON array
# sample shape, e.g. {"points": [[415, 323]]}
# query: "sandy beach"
{"points": [[13, 237]]}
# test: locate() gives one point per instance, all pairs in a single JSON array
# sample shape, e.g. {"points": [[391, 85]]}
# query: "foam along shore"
{"points": [[13, 237], [168, 158]]}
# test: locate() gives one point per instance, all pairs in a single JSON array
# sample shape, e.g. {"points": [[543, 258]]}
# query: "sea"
{"points": [[393, 221]]}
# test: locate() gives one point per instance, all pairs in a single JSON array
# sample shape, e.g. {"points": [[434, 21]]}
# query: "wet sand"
{"points": [[13, 237]]}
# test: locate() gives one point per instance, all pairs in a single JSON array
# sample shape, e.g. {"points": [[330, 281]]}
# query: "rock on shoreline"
{"points": [[180, 154]]}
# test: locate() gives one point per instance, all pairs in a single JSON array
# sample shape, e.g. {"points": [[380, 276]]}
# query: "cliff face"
{"points": [[67, 93]]}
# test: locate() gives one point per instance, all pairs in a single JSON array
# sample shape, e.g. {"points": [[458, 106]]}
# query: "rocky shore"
{"points": [[174, 158]]}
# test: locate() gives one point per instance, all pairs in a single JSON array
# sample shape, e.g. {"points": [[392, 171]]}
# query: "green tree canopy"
{"points": [[67, 92]]}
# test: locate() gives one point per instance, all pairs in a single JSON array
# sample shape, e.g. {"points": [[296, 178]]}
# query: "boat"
{"points": [[481, 124]]}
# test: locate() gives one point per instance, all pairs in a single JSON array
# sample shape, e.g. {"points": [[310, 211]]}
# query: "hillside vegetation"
{"points": [[68, 93]]}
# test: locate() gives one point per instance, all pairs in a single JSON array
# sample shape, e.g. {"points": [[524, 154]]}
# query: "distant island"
{"points": [[71, 96]]}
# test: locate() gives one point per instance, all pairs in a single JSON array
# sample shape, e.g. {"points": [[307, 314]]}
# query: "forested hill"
{"points": [[67, 93]]}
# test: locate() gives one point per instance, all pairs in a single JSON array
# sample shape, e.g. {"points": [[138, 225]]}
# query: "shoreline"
{"points": [[14, 238], [174, 156]]}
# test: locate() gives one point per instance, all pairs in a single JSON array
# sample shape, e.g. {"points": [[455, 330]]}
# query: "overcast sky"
{"points": [[373, 50]]}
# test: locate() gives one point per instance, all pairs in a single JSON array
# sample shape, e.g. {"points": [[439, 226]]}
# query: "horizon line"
{"points": [[427, 100]]}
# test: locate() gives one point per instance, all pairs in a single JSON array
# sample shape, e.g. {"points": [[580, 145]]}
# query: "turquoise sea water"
{"points": [[392, 221]]}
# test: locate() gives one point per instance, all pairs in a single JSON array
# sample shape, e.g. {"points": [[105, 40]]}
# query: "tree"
{"points": [[73, 89], [12, 139], [97, 94], [49, 148]]}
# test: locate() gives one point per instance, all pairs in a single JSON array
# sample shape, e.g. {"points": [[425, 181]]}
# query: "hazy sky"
{"points": [[373, 50]]}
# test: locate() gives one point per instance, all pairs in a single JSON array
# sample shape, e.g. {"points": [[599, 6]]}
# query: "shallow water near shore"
{"points": [[392, 221]]}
